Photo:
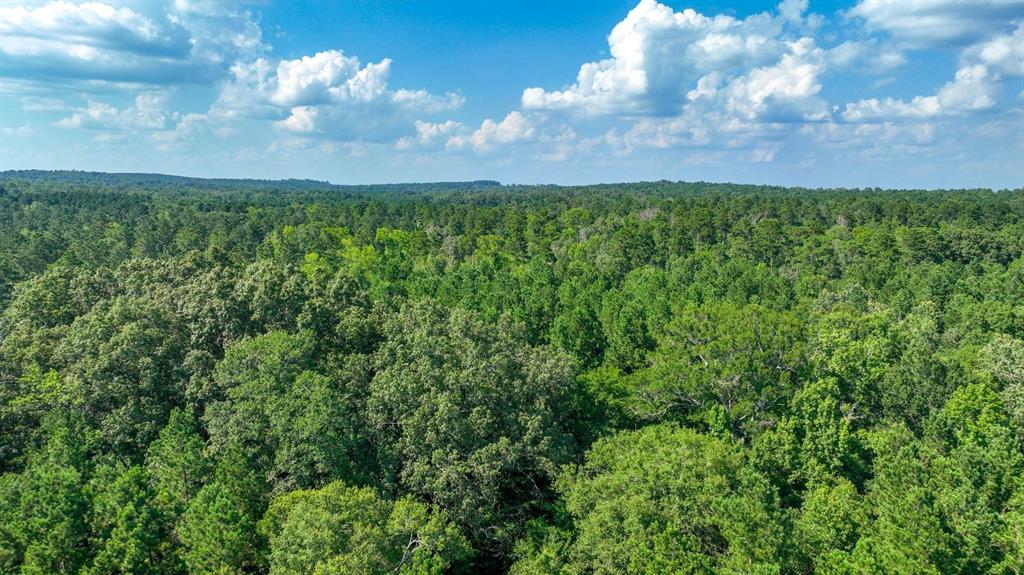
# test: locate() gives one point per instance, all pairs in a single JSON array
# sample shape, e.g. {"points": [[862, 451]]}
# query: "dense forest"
{"points": [[292, 378]]}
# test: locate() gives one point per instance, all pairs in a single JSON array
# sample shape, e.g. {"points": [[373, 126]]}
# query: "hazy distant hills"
{"points": [[131, 180], [269, 190]]}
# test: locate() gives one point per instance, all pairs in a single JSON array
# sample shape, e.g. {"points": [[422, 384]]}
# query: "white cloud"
{"points": [[975, 86], [970, 91], [846, 54], [901, 134], [793, 10], [689, 80], [328, 93], [514, 128], [302, 120], [1003, 53], [246, 93], [919, 134], [785, 91], [922, 23], [149, 112], [329, 77], [663, 133], [431, 135], [656, 57], [677, 87], [886, 61], [562, 145], [221, 32], [425, 102], [868, 56], [96, 41], [182, 135], [84, 29], [290, 144], [794, 13]]}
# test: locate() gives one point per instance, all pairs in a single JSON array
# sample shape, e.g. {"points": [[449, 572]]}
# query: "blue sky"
{"points": [[892, 93]]}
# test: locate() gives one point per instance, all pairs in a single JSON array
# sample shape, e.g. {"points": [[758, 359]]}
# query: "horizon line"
{"points": [[486, 182]]}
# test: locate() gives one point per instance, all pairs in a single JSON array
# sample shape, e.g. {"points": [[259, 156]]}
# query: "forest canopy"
{"points": [[235, 377]]}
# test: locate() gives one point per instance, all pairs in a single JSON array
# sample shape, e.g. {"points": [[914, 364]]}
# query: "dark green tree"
{"points": [[470, 417]]}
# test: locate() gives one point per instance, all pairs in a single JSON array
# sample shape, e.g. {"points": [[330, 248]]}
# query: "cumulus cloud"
{"points": [[329, 93], [220, 32], [66, 47], [971, 90], [924, 23], [785, 91], [513, 128], [793, 10], [302, 120], [424, 102], [685, 79], [149, 112], [656, 57], [976, 84], [1003, 53], [329, 77], [661, 133], [431, 135], [62, 42], [246, 93]]}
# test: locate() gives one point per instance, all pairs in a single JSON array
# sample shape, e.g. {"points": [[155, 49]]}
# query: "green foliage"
{"points": [[741, 360], [128, 527], [906, 533], [260, 377], [817, 442], [216, 534], [831, 520], [1003, 363], [340, 529], [665, 500], [46, 507], [979, 469], [293, 424], [469, 416], [633, 316], [176, 465], [543, 550]]}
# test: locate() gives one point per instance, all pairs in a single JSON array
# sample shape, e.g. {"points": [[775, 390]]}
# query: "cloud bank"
{"points": [[785, 85]]}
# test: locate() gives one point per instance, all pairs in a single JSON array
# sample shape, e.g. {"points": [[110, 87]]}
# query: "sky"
{"points": [[816, 93]]}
